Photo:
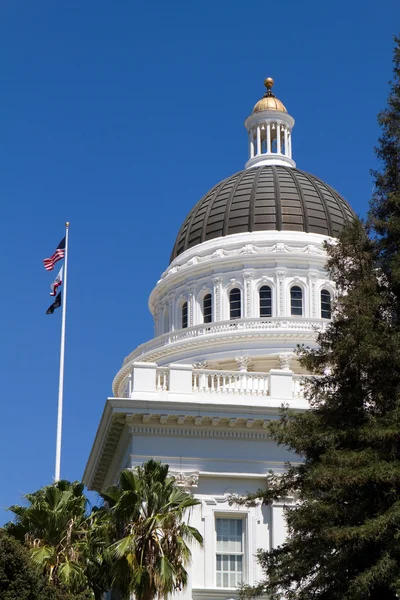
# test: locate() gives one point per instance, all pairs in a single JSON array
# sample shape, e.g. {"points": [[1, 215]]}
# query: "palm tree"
{"points": [[67, 542], [152, 547]]}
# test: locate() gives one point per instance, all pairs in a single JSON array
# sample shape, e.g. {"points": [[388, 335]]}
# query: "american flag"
{"points": [[58, 255]]}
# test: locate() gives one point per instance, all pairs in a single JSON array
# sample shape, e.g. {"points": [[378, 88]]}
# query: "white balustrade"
{"points": [[162, 379], [218, 328], [230, 382], [209, 381]]}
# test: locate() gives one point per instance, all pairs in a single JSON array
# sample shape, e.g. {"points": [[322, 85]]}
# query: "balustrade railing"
{"points": [[218, 328], [208, 381], [230, 382], [162, 379]]}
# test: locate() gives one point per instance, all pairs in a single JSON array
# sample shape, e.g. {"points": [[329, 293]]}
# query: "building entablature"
{"points": [[176, 416]]}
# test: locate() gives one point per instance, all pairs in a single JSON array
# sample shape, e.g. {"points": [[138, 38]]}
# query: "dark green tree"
{"points": [[21, 579], [344, 537], [384, 216]]}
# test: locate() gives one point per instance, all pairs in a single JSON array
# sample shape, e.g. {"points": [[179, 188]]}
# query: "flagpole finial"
{"points": [[67, 224]]}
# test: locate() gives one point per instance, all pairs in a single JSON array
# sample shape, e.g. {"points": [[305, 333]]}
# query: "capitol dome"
{"points": [[264, 198]]}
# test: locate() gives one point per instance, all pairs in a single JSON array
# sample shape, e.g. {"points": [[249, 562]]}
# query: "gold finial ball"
{"points": [[268, 82], [67, 224]]}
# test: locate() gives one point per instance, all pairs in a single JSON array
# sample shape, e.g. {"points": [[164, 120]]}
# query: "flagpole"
{"points": [[62, 354]]}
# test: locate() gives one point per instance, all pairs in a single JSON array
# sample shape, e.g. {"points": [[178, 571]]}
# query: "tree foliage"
{"points": [[152, 550], [344, 536], [64, 540], [21, 579]]}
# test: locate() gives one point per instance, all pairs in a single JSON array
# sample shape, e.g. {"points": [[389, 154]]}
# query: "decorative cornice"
{"points": [[230, 256], [202, 433], [112, 437], [133, 416]]}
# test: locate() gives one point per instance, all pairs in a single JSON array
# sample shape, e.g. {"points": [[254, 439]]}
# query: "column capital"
{"points": [[243, 363], [285, 360]]}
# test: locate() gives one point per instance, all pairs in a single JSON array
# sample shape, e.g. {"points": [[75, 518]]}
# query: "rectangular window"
{"points": [[229, 557], [207, 308], [184, 315]]}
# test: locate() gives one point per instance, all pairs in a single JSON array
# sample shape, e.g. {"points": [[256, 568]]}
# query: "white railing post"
{"points": [[143, 377], [180, 378], [280, 383]]}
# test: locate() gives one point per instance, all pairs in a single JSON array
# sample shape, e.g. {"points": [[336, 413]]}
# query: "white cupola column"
{"points": [[286, 142], [278, 139], [269, 119], [251, 144]]}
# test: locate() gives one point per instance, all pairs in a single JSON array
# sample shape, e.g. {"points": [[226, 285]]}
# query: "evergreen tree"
{"points": [[344, 537], [384, 216]]}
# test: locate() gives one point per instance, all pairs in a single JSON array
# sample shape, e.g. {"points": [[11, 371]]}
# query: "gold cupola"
{"points": [[270, 132], [269, 101]]}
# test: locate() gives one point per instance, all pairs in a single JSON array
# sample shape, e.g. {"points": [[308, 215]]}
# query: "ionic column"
{"points": [[278, 139], [217, 309], [290, 144], [258, 140], [268, 138], [286, 142], [251, 144]]}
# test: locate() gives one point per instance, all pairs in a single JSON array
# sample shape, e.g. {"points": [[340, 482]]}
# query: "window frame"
{"points": [[242, 517], [184, 312], [292, 286], [265, 285], [232, 289], [206, 295], [328, 291]]}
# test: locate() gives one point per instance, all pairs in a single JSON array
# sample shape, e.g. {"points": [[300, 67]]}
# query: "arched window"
{"points": [[207, 308], [296, 301], [184, 315], [235, 304], [265, 301], [326, 309]]}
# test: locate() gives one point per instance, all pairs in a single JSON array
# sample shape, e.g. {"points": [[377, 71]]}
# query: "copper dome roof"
{"points": [[262, 199]]}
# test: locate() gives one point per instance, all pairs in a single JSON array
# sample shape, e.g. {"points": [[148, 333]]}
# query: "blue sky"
{"points": [[119, 116]]}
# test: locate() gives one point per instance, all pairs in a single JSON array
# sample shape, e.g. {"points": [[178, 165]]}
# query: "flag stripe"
{"points": [[58, 255]]}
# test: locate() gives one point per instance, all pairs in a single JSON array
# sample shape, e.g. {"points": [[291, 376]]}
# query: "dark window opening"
{"points": [[296, 301], [207, 308], [235, 304], [265, 301], [326, 308], [184, 315]]}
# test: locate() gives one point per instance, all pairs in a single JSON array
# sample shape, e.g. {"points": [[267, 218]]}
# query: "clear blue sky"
{"points": [[119, 116]]}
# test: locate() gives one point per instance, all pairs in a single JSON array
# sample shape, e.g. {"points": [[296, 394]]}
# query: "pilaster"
{"points": [[217, 308], [248, 281], [280, 288]]}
